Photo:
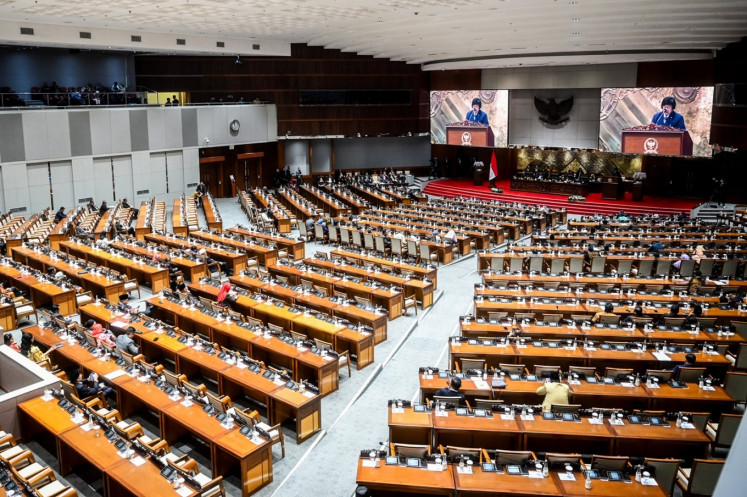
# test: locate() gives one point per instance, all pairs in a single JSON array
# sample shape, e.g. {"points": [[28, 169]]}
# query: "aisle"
{"points": [[332, 463]]}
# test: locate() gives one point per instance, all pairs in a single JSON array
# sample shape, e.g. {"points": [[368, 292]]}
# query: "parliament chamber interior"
{"points": [[382, 249]]}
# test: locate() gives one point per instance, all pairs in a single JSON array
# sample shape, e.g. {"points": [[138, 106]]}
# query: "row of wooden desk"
{"points": [[402, 480], [265, 254], [593, 395], [98, 284], [295, 248], [296, 297], [328, 202], [40, 292], [359, 343], [530, 355], [235, 259], [75, 446], [496, 279], [533, 432], [281, 402], [156, 276], [267, 200], [480, 327]]}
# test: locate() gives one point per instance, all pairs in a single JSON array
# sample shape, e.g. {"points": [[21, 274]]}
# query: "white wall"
{"points": [[137, 143], [580, 131]]}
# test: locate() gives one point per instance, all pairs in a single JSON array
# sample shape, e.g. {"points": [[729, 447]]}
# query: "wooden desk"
{"points": [[659, 441], [156, 276], [77, 446], [227, 446], [600, 488], [99, 285], [473, 431], [41, 293], [383, 297], [292, 296], [401, 480], [126, 479], [482, 484], [410, 427], [191, 269], [295, 248], [265, 255], [237, 262]]}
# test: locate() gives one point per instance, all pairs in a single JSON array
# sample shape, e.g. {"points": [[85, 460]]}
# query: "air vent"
{"points": [[85, 35], [136, 38], [27, 31], [255, 47], [181, 41], [84, 200], [220, 44], [18, 209], [143, 192], [191, 185]]}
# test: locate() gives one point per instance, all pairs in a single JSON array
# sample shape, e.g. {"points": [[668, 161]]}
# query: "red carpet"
{"points": [[594, 204]]}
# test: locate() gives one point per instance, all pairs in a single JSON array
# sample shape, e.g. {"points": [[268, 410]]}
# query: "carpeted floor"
{"points": [[593, 204]]}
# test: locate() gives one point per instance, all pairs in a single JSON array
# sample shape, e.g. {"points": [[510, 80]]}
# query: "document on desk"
{"points": [[115, 374], [137, 461], [119, 324], [662, 356], [566, 477], [184, 491]]}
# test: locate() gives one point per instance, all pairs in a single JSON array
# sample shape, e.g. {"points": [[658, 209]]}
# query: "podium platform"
{"points": [[656, 140], [469, 134]]}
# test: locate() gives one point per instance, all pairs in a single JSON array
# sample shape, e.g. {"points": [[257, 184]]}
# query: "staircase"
{"points": [[711, 212]]}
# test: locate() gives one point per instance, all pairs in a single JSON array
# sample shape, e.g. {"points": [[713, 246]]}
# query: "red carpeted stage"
{"points": [[594, 204]]}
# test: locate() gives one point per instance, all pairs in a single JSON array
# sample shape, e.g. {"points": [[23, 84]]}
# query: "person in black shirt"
{"points": [[103, 207], [92, 205], [60, 215], [452, 390], [86, 387]]}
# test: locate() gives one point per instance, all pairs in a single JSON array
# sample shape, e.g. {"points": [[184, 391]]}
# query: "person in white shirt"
{"points": [[451, 236]]}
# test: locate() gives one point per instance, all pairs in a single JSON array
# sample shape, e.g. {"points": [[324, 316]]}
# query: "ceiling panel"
{"points": [[435, 33]]}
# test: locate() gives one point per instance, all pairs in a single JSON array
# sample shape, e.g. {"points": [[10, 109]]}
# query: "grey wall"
{"points": [[25, 68], [367, 153], [597, 76], [580, 131], [115, 153]]}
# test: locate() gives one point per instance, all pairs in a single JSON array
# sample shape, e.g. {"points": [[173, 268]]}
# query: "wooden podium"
{"points": [[469, 134], [612, 188], [656, 140]]}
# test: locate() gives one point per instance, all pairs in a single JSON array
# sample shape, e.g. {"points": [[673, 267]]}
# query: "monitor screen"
{"points": [[477, 118], [656, 121]]}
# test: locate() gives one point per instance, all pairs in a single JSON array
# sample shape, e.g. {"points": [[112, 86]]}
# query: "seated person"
{"points": [[689, 363], [554, 392], [225, 296], [126, 342], [452, 390], [102, 336], [695, 314], [10, 342], [694, 285], [124, 305], [30, 350], [182, 290], [451, 237], [60, 215], [608, 311], [86, 387]]}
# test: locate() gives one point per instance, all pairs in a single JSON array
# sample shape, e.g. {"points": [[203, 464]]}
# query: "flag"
{"points": [[493, 167]]}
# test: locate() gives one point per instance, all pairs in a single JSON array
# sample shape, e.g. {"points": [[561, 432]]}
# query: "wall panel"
{"points": [[123, 187], [38, 181], [63, 193], [103, 188]]}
